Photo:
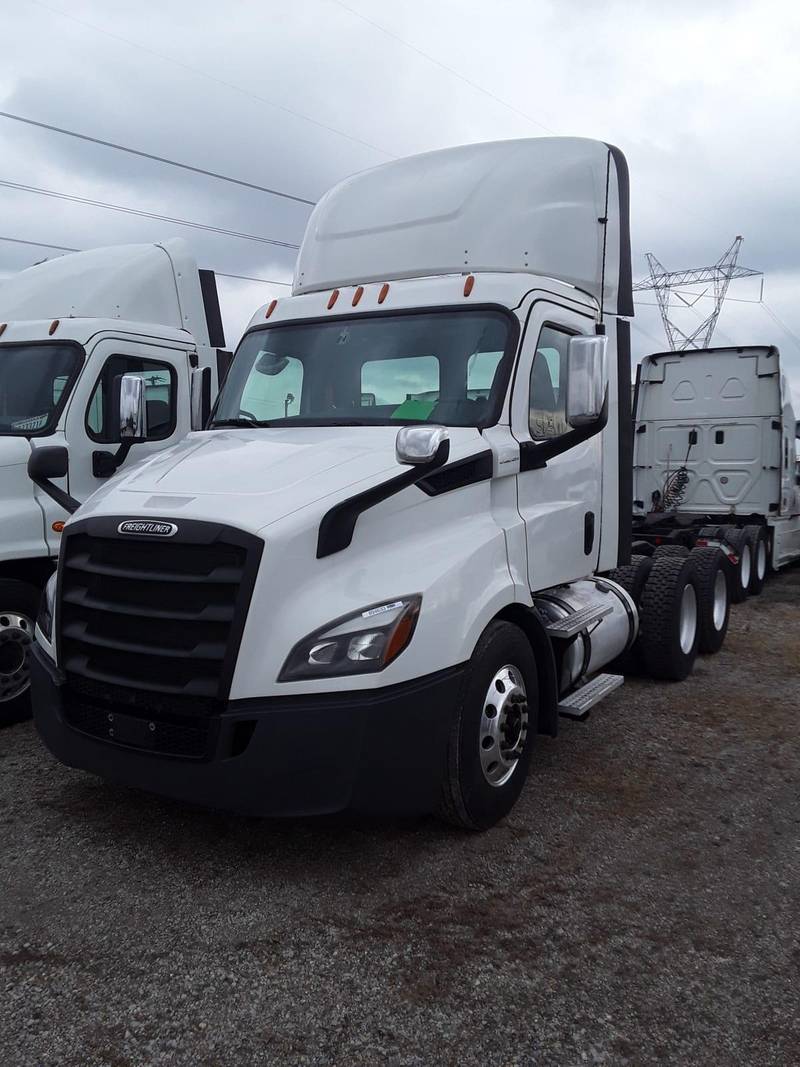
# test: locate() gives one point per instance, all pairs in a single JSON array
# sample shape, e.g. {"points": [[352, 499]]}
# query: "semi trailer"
{"points": [[715, 459], [74, 331], [401, 549]]}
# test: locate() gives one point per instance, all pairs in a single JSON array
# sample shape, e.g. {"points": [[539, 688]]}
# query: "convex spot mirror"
{"points": [[416, 445], [132, 408], [586, 379]]}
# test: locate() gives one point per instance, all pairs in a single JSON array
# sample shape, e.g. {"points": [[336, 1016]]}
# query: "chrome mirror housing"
{"points": [[132, 408], [416, 445], [586, 379]]}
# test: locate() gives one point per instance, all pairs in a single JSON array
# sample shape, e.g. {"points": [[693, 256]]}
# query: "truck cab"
{"points": [[70, 330], [391, 558]]}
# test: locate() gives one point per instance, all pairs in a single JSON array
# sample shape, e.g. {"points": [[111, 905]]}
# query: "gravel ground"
{"points": [[641, 905]]}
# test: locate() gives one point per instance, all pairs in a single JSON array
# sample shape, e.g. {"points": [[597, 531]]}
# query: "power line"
{"points": [[210, 77], [158, 159], [146, 214], [779, 322], [443, 66], [64, 248]]}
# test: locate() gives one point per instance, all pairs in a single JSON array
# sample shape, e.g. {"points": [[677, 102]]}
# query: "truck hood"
{"points": [[252, 478]]}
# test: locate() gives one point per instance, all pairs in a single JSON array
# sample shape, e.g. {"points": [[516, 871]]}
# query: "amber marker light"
{"points": [[357, 295], [383, 293], [58, 526], [53, 327], [333, 298], [3, 328], [468, 284], [273, 304]]}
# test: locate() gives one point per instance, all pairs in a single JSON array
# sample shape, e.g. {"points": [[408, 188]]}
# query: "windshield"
{"points": [[441, 367], [35, 380]]}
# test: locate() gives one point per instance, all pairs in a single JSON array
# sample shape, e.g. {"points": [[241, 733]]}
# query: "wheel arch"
{"points": [[533, 628]]}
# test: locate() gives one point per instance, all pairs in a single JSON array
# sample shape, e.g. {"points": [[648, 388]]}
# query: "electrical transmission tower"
{"points": [[717, 277]]}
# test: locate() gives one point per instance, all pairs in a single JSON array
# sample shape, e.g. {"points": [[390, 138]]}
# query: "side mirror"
{"points": [[416, 445], [49, 462], [200, 397], [132, 408], [586, 379]]}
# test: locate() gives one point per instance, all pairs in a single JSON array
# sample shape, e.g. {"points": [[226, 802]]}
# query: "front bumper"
{"points": [[379, 752]]}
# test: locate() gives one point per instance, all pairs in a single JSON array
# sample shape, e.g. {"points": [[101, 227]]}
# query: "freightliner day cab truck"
{"points": [[390, 560], [70, 330], [715, 458]]}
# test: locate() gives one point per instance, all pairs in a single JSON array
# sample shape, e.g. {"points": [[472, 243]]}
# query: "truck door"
{"points": [[92, 422], [561, 501]]}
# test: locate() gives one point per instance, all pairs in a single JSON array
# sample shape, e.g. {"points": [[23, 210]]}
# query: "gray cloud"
{"points": [[701, 99]]}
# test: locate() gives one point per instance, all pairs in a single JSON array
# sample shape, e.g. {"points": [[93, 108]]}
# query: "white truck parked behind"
{"points": [[389, 562], [715, 458], [74, 331]]}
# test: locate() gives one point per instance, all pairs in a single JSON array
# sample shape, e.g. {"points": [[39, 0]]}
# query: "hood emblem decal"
{"points": [[147, 528]]}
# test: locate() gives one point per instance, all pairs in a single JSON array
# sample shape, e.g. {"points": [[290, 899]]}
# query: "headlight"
{"points": [[364, 642], [44, 619]]}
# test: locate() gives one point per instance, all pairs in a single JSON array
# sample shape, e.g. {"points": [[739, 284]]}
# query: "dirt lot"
{"points": [[641, 906]]}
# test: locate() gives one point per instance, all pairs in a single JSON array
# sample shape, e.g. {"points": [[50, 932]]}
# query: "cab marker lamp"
{"points": [[362, 643], [44, 619]]}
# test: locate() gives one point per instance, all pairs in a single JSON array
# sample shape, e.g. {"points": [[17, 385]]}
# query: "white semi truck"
{"points": [[715, 458], [71, 330], [400, 550]]}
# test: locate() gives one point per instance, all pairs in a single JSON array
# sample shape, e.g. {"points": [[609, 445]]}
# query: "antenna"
{"points": [[717, 277]]}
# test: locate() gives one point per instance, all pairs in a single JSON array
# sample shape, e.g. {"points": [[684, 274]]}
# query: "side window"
{"points": [[548, 385], [273, 388], [160, 394], [407, 387]]}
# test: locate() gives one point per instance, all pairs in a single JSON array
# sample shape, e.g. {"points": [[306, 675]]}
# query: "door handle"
{"points": [[588, 533]]}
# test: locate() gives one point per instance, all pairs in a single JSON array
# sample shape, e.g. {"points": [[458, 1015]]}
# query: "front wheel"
{"points": [[19, 604], [493, 730]]}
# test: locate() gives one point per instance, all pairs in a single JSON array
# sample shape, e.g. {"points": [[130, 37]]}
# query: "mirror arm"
{"points": [[104, 464], [64, 500], [338, 524]]}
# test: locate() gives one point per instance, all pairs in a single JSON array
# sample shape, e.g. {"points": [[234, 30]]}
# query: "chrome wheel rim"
{"points": [[761, 559], [16, 632], [745, 566], [688, 627], [720, 600], [504, 725]]}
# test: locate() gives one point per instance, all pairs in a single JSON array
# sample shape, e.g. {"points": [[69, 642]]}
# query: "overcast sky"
{"points": [[704, 99]]}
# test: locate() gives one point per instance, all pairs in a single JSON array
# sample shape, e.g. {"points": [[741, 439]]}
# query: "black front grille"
{"points": [[156, 616]]}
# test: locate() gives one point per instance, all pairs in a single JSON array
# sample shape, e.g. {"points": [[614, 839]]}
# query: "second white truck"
{"points": [[400, 550], [72, 329]]}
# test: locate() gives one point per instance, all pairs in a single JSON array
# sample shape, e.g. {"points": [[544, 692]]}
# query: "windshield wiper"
{"points": [[236, 422]]}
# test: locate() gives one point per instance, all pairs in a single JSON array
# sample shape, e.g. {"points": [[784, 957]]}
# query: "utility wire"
{"points": [[779, 322], [210, 77], [146, 214], [158, 159], [64, 248], [443, 66]]}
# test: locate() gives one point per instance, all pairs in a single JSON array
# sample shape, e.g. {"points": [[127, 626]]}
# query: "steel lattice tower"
{"points": [[666, 283]]}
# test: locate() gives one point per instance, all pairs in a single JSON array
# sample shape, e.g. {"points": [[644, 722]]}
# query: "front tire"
{"points": [[19, 605], [493, 730]]}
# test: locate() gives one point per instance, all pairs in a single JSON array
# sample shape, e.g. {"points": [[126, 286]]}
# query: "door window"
{"points": [[548, 385], [159, 390]]}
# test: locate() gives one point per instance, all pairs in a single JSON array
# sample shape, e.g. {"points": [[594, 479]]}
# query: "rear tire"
{"points": [[742, 544], [493, 730], [681, 551], [758, 573], [714, 607], [632, 577], [19, 606], [668, 627]]}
